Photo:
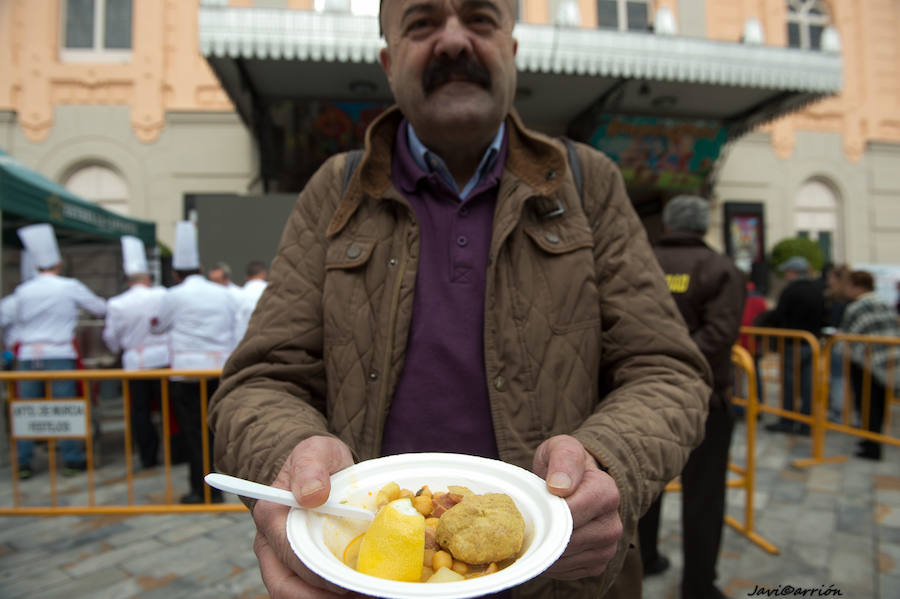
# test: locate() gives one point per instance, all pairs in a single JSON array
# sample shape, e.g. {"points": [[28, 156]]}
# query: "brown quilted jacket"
{"points": [[581, 334]]}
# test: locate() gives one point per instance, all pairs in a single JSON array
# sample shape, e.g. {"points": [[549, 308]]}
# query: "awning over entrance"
{"points": [[28, 197], [575, 81]]}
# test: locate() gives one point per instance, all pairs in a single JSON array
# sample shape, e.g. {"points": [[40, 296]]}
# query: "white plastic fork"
{"points": [[248, 488]]}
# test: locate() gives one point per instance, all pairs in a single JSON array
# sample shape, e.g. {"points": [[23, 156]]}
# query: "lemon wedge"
{"points": [[394, 545]]}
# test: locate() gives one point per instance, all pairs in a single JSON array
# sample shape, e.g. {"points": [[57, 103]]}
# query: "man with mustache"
{"points": [[461, 294]]}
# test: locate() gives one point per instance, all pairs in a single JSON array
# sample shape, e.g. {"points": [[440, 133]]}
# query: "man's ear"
{"points": [[385, 58]]}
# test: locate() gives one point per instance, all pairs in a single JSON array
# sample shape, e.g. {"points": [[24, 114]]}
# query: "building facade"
{"points": [[116, 100]]}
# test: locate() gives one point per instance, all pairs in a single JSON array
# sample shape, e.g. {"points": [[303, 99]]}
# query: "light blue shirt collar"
{"points": [[430, 162]]}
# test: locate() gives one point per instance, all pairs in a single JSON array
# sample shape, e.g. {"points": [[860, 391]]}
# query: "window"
{"points": [[806, 20], [624, 15], [101, 185], [816, 217], [97, 30]]}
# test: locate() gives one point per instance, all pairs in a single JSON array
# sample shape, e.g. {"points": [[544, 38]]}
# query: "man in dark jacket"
{"points": [[709, 291], [801, 307]]}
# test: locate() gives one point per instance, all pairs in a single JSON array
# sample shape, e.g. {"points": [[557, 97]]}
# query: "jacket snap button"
{"points": [[392, 262], [552, 237], [373, 376], [500, 383], [354, 252]]}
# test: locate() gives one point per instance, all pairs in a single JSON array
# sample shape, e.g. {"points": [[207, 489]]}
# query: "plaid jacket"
{"points": [[868, 315]]}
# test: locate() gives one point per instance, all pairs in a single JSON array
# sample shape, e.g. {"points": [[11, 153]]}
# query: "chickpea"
{"points": [[429, 558], [424, 491], [423, 504], [460, 567], [492, 567], [432, 522], [405, 493], [441, 559], [387, 494]]}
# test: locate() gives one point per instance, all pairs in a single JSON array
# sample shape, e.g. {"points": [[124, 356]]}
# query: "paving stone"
{"points": [[94, 584], [163, 559], [888, 587], [815, 526], [889, 559], [815, 555], [853, 567], [34, 585], [113, 557]]}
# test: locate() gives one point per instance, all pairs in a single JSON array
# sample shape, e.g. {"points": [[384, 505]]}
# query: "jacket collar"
{"points": [[682, 238], [533, 159]]}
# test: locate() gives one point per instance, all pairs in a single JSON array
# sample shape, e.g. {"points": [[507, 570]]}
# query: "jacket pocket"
{"points": [[345, 296], [564, 285]]}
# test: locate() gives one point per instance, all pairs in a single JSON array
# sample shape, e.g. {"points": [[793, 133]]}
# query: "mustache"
{"points": [[443, 69]]}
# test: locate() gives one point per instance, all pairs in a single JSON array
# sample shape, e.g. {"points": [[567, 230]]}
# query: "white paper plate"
{"points": [[319, 540]]}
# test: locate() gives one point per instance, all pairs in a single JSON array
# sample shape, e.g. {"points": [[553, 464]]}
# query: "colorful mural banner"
{"points": [[657, 152]]}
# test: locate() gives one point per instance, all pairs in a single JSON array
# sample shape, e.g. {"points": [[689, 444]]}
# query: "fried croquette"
{"points": [[482, 528]]}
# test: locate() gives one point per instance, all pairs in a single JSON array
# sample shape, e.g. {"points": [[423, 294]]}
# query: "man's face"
{"points": [[217, 275], [451, 64]]}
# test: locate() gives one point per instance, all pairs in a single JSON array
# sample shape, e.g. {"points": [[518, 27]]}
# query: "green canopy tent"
{"points": [[27, 197]]}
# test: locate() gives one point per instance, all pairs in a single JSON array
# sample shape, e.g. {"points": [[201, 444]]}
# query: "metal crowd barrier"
{"points": [[794, 350], [848, 408], [748, 399], [52, 419]]}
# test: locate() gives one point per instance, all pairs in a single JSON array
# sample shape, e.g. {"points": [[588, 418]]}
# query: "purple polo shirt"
{"points": [[441, 402]]}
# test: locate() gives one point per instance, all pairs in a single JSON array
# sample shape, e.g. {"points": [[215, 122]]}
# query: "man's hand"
{"points": [[307, 474], [593, 497]]}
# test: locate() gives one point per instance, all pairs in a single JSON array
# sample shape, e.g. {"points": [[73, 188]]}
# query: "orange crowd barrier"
{"points": [[51, 419]]}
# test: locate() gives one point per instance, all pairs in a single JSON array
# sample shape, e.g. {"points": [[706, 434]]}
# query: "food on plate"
{"points": [[482, 528], [440, 536], [394, 545]]}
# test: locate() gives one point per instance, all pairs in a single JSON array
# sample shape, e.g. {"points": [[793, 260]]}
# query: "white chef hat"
{"points": [[186, 256], [27, 266], [134, 257], [40, 241]]}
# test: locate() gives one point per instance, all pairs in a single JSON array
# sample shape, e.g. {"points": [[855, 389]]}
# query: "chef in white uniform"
{"points": [[200, 317], [46, 313], [27, 271], [249, 295], [127, 330]]}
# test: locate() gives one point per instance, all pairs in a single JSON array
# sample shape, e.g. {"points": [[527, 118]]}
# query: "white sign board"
{"points": [[48, 418]]}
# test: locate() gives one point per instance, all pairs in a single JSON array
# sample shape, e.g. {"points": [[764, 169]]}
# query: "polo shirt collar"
{"points": [[430, 162]]}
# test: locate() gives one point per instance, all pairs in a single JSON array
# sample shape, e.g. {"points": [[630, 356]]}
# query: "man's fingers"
{"points": [[307, 472], [561, 460], [280, 566]]}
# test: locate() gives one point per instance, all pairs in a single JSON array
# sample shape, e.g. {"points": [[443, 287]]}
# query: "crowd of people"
{"points": [[193, 325]]}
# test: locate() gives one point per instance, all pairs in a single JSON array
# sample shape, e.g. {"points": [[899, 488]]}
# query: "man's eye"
{"points": [[482, 20], [418, 24]]}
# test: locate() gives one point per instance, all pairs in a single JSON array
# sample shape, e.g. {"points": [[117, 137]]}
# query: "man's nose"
{"points": [[454, 39]]}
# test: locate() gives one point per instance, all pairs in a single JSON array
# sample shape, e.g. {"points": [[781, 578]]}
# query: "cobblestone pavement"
{"points": [[837, 527]]}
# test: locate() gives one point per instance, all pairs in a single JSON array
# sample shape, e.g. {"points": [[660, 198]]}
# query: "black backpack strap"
{"points": [[353, 158], [574, 166]]}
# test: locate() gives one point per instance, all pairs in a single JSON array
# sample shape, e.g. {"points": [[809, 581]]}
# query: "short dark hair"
{"points": [[255, 268], [862, 279], [182, 274], [223, 266]]}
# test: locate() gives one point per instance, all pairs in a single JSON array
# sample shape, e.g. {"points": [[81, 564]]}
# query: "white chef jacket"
{"points": [[200, 317], [47, 313], [250, 294], [8, 321], [127, 328]]}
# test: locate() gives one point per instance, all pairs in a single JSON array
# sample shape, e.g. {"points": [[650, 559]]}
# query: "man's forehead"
{"points": [[503, 6]]}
